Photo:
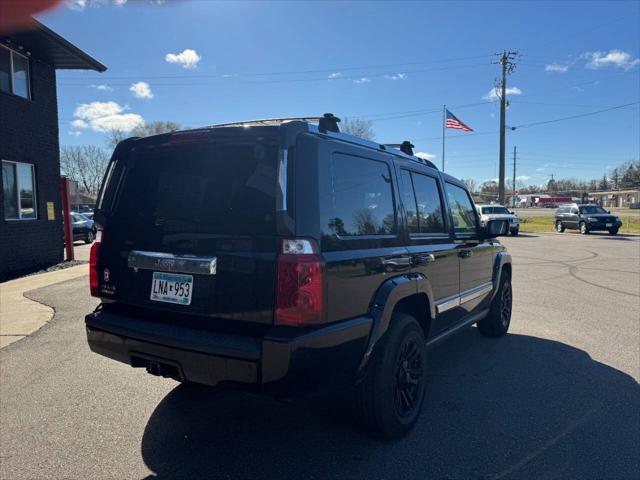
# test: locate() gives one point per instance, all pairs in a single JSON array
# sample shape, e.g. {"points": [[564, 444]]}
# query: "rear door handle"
{"points": [[465, 254], [423, 259]]}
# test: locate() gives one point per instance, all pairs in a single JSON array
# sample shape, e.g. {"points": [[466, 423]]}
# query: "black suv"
{"points": [[280, 256], [586, 218]]}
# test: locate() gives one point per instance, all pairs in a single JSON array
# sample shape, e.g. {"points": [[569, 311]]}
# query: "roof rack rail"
{"points": [[268, 122], [406, 147]]}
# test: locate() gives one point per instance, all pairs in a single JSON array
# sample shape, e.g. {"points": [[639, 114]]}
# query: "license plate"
{"points": [[171, 288], [609, 224]]}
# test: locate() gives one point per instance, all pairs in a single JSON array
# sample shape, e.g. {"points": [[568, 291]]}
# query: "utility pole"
{"points": [[508, 66], [513, 192]]}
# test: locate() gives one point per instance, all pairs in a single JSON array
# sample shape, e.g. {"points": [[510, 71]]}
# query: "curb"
{"points": [[20, 316]]}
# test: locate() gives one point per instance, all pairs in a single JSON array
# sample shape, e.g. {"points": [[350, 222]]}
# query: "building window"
{"points": [[19, 191], [14, 73]]}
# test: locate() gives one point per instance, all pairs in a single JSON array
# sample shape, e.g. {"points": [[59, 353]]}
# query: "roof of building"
{"points": [[46, 45]]}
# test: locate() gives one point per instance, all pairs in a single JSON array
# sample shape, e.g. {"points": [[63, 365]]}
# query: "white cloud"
{"points": [[102, 87], [522, 178], [362, 80], [335, 75], [82, 4], [75, 133], [425, 155], [494, 93], [556, 67], [613, 58], [540, 169], [79, 123], [397, 76], [141, 90], [76, 4], [107, 116], [187, 58]]}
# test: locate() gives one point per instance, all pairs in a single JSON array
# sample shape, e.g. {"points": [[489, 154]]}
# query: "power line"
{"points": [[545, 122], [290, 72]]}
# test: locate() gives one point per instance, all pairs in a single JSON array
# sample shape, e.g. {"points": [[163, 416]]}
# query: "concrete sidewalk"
{"points": [[20, 316]]}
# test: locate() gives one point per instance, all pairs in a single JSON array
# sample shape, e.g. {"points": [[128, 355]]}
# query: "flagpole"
{"points": [[444, 123]]}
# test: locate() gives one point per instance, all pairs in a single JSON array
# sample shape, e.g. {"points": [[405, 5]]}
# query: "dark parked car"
{"points": [[586, 218], [83, 228], [283, 256]]}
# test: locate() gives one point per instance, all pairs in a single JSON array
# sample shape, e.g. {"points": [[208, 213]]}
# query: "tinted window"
{"points": [[9, 189], [464, 219], [5, 70], [27, 197], [18, 191], [430, 216], [205, 188], [361, 201], [592, 209], [409, 202], [20, 76]]}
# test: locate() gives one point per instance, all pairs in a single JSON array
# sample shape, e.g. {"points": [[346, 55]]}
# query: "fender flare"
{"points": [[502, 258], [387, 296]]}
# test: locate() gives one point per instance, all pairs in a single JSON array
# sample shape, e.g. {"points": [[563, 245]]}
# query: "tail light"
{"points": [[300, 284], [94, 256]]}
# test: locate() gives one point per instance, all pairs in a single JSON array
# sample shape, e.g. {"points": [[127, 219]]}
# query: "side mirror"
{"points": [[608, 211], [496, 228]]}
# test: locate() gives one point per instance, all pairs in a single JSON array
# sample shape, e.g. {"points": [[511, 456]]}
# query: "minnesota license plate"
{"points": [[171, 288], [609, 224]]}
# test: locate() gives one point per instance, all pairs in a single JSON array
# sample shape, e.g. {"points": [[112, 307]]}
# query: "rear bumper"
{"points": [[282, 362]]}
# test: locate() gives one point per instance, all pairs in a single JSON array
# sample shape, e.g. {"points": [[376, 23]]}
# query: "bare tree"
{"points": [[86, 165], [154, 128], [471, 184], [358, 127]]}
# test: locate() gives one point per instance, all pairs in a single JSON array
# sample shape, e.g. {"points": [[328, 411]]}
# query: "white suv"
{"points": [[498, 212]]}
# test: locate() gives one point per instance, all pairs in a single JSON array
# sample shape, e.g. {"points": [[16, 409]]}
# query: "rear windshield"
{"points": [[227, 187]]}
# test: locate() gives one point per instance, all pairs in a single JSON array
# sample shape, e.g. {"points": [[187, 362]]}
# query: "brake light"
{"points": [[300, 284], [94, 256]]}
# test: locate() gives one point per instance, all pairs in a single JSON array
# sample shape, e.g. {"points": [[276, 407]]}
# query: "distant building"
{"points": [[30, 212], [617, 198]]}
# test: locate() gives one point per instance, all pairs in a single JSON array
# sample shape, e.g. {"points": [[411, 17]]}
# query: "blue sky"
{"points": [[205, 62]]}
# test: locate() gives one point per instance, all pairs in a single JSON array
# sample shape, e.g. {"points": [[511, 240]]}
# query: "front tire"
{"points": [[559, 227], [515, 232], [497, 321], [613, 231], [89, 238], [387, 403], [583, 228]]}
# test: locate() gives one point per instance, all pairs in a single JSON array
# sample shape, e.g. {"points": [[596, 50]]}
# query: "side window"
{"points": [[464, 219], [409, 202], [18, 191], [430, 215], [362, 198]]}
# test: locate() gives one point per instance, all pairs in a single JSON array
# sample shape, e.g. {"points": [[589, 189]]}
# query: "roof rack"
{"points": [[327, 123], [268, 122], [406, 147]]}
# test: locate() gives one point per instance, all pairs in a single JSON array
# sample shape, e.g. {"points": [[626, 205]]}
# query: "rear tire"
{"points": [[583, 228], [515, 232], [559, 227], [89, 238], [388, 401], [497, 321]]}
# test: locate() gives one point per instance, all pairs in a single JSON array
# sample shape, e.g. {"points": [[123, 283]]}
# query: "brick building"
{"points": [[30, 212]]}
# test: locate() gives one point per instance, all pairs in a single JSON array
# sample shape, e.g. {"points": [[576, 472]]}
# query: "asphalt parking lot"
{"points": [[556, 398]]}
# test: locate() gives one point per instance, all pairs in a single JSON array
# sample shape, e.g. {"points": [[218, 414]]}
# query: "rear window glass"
{"points": [[223, 187], [360, 200], [495, 210], [422, 203]]}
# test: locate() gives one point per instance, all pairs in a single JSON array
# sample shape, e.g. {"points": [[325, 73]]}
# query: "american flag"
{"points": [[453, 122]]}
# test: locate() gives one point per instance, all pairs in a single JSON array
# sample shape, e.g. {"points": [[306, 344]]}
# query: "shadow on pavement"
{"points": [[516, 407]]}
